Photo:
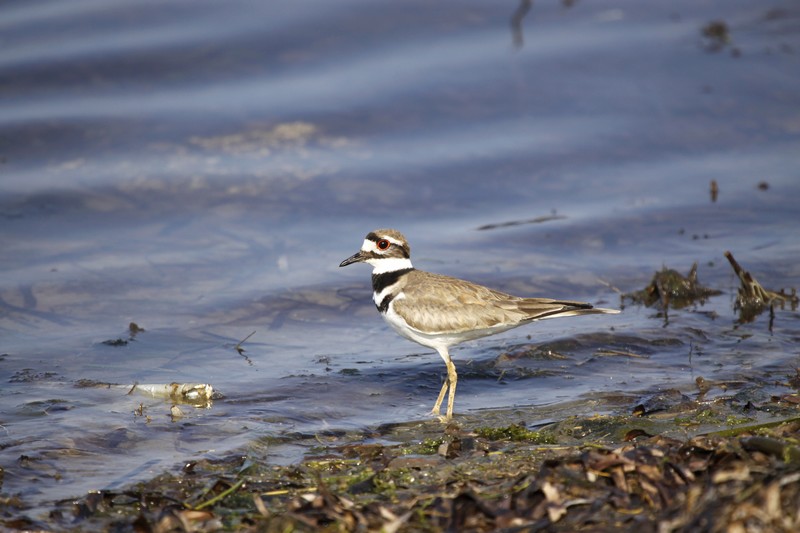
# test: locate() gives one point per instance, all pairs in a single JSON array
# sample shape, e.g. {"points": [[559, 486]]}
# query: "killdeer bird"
{"points": [[439, 311]]}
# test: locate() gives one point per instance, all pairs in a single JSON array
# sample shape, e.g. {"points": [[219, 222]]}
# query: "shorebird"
{"points": [[441, 311]]}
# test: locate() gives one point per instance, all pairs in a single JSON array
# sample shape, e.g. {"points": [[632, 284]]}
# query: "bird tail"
{"points": [[540, 308]]}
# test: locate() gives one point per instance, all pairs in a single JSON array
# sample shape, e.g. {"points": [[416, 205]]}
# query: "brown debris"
{"points": [[669, 288], [753, 299], [717, 35], [749, 482], [535, 220]]}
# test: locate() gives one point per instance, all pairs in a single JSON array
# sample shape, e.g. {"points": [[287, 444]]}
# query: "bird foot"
{"points": [[444, 419]]}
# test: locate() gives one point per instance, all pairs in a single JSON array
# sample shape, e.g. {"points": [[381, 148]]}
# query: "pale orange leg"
{"points": [[437, 407], [452, 378], [448, 386]]}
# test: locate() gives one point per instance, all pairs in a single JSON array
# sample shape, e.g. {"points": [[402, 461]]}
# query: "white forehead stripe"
{"points": [[369, 245]]}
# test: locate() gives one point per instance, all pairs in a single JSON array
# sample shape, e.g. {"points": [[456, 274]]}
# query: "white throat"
{"points": [[389, 264]]}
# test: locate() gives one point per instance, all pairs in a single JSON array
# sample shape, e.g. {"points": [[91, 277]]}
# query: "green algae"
{"points": [[516, 433]]}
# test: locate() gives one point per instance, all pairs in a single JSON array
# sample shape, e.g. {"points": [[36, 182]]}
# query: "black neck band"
{"points": [[385, 279]]}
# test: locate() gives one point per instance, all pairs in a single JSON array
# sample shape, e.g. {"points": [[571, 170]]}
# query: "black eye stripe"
{"points": [[396, 247]]}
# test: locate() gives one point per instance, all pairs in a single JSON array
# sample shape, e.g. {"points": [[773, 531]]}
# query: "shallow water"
{"points": [[201, 171]]}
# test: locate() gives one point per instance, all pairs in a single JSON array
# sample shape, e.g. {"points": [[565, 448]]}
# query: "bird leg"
{"points": [[452, 379], [448, 385], [437, 407]]}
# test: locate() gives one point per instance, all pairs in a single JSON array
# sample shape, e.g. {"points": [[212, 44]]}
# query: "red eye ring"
{"points": [[383, 244]]}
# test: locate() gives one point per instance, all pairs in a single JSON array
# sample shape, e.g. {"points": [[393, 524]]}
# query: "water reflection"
{"points": [[517, 35]]}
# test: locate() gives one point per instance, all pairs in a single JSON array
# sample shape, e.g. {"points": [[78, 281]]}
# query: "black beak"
{"points": [[355, 258]]}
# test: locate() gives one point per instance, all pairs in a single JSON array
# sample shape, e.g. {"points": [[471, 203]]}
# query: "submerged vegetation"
{"points": [[670, 288], [752, 299]]}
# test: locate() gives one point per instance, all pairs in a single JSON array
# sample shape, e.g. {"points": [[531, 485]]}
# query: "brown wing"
{"points": [[445, 304]]}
